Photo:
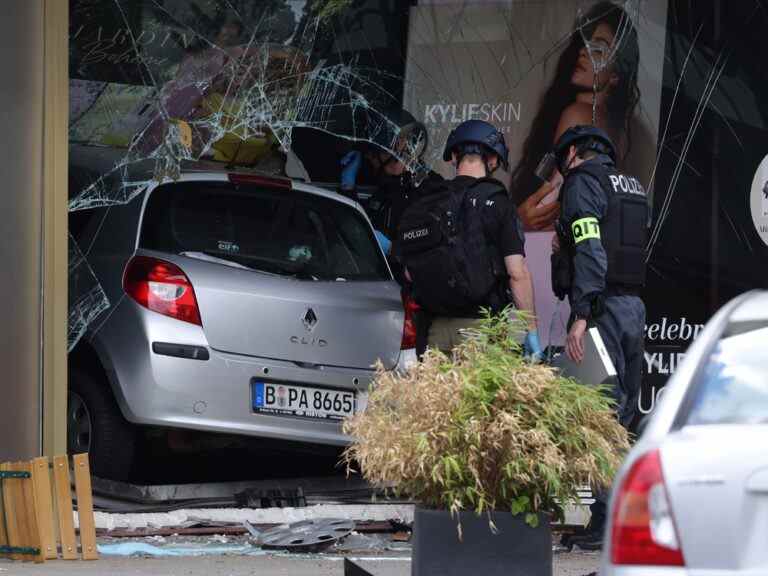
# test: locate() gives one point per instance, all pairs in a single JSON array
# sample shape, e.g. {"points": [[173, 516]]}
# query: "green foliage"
{"points": [[486, 430]]}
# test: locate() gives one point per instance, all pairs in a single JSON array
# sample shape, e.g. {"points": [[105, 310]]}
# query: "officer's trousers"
{"points": [[622, 327], [446, 333]]}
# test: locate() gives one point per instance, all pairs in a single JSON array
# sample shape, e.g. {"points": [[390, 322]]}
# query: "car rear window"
{"points": [[279, 231], [733, 385]]}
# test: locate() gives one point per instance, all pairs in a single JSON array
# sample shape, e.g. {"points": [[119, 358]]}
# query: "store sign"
{"points": [[666, 340], [498, 113]]}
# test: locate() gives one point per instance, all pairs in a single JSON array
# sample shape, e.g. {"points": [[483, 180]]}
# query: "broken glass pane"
{"points": [[290, 87], [86, 296]]}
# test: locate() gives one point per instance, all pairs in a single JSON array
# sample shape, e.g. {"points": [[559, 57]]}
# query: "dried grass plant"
{"points": [[486, 430]]}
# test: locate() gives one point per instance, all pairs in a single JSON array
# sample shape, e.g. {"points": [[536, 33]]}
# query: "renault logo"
{"points": [[309, 320]]}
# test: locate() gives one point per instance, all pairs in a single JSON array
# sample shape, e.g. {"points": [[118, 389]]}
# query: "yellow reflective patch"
{"points": [[585, 228]]}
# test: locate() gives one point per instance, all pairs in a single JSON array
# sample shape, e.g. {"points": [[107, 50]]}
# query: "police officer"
{"points": [[602, 233], [476, 149]]}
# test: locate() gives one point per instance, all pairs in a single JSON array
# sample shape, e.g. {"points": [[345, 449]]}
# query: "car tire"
{"points": [[96, 425]]}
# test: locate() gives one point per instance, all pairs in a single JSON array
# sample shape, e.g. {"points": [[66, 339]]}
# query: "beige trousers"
{"points": [[446, 333]]}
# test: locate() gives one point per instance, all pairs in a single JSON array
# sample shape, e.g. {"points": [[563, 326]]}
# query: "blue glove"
{"points": [[532, 347], [384, 242], [350, 164]]}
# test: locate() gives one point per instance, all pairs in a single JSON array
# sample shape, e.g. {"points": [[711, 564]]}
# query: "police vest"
{"points": [[624, 229]]}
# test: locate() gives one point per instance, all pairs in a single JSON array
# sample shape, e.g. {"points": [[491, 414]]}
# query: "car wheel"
{"points": [[96, 425]]}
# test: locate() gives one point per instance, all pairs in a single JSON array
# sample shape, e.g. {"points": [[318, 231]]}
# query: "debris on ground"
{"points": [[145, 549], [256, 516], [306, 535]]}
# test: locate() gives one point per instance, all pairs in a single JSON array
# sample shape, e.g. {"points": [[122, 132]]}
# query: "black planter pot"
{"points": [[516, 550]]}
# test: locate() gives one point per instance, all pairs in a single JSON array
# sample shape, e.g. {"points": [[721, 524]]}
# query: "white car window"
{"points": [[733, 387]]}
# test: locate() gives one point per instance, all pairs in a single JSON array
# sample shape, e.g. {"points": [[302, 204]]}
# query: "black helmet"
{"points": [[483, 134], [397, 127], [594, 138]]}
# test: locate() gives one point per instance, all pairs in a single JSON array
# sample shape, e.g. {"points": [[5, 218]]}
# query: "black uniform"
{"points": [[392, 196], [607, 276], [604, 218], [501, 223], [496, 232]]}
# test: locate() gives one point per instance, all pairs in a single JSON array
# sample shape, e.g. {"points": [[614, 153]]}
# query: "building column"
{"points": [[33, 227], [55, 224]]}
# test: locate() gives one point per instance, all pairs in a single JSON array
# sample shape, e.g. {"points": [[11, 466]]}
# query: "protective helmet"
{"points": [[396, 131], [483, 134], [597, 139]]}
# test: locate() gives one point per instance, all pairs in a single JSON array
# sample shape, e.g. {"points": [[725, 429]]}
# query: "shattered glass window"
{"points": [[290, 87]]}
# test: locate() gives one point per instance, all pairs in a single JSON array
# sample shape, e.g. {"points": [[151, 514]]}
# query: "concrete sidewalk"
{"points": [[565, 564]]}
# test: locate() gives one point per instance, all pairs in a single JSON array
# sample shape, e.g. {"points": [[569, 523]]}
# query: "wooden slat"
{"points": [[10, 510], [33, 532], [64, 506], [3, 533], [85, 507], [41, 483], [20, 509]]}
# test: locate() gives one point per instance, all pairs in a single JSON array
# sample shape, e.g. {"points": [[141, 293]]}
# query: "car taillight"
{"points": [[644, 529], [409, 323], [161, 287]]}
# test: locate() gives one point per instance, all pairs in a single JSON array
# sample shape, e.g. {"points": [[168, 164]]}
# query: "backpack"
{"points": [[455, 268]]}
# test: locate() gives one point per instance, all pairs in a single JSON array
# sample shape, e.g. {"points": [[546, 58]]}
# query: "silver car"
{"points": [[692, 495], [240, 304]]}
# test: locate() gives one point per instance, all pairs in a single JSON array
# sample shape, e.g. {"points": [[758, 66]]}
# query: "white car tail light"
{"points": [[161, 287], [644, 529], [409, 323]]}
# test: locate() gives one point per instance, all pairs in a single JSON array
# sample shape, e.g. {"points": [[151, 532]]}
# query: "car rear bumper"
{"points": [[214, 394]]}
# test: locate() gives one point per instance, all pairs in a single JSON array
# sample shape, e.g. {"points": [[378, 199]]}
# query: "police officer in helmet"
{"points": [[599, 264], [475, 213]]}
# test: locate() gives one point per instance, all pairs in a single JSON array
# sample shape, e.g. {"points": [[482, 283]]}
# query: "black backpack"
{"points": [[454, 266]]}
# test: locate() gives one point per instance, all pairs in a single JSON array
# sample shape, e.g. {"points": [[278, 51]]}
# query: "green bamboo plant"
{"points": [[486, 430]]}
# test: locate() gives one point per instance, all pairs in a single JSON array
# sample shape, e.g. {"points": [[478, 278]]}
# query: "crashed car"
{"points": [[239, 303], [692, 493]]}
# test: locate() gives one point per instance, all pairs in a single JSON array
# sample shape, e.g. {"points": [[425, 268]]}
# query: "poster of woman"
{"points": [[554, 64]]}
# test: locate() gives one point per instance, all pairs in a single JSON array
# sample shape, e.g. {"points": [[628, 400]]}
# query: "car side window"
{"points": [[733, 385]]}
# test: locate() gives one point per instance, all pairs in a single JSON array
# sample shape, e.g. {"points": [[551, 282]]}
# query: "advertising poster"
{"points": [[525, 67]]}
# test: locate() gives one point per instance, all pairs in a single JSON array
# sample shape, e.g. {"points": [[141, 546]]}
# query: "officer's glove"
{"points": [[532, 347], [384, 242], [350, 164]]}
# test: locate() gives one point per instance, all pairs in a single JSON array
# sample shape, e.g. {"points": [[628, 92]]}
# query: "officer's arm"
{"points": [[585, 208], [521, 286], [511, 245]]}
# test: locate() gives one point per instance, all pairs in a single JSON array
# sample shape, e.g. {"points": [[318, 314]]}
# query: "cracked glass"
{"points": [[290, 87]]}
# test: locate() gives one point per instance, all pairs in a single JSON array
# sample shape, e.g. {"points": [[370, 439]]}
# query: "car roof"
{"points": [[111, 164]]}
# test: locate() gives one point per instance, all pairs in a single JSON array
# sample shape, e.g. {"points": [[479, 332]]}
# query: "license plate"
{"points": [[287, 399]]}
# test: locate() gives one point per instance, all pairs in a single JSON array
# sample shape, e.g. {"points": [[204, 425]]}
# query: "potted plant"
{"points": [[490, 446]]}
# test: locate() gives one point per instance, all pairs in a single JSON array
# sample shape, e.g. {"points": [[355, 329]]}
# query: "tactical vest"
{"points": [[455, 267], [625, 227]]}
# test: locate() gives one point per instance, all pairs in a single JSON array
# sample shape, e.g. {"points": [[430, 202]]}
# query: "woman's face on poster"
{"points": [[601, 43]]}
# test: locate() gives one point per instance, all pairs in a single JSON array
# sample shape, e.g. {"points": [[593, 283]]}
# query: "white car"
{"points": [[692, 495]]}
